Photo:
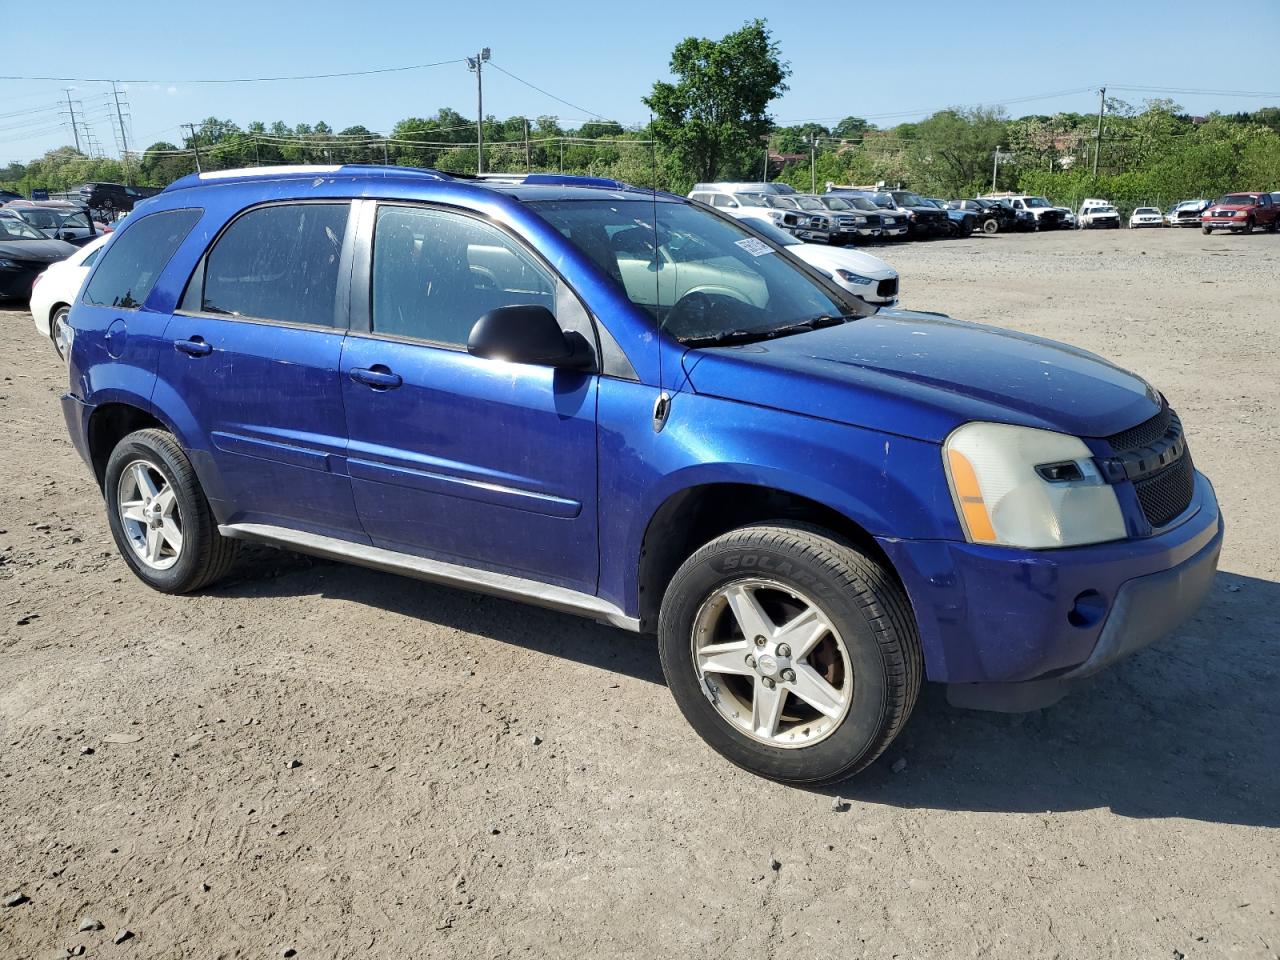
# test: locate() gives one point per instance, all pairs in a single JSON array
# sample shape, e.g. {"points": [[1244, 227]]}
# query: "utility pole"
{"points": [[385, 160], [477, 64], [195, 144], [75, 131], [764, 167], [124, 138], [1097, 140], [561, 152], [813, 163], [527, 166]]}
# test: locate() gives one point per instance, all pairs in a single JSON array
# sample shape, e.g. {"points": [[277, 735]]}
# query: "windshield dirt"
{"points": [[708, 280]]}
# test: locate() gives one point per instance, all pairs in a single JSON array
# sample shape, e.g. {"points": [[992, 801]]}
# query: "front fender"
{"points": [[889, 486]]}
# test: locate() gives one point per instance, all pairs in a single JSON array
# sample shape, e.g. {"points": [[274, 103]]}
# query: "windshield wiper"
{"points": [[727, 337]]}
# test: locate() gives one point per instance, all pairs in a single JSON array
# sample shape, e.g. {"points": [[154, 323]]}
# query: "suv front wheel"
{"points": [[159, 516], [791, 653]]}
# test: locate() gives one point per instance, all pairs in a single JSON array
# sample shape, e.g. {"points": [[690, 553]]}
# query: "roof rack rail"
{"points": [[284, 171]]}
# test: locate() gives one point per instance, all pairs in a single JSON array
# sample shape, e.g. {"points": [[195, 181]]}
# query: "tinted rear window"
{"points": [[133, 262], [278, 263]]}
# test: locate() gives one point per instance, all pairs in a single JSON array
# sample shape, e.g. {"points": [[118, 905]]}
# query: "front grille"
{"points": [[1167, 493], [887, 288], [1145, 433], [1163, 492]]}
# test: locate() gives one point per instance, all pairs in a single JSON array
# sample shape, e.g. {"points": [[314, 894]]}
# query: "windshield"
{"points": [[851, 203], [911, 200], [1238, 199], [883, 200], [11, 228], [1147, 210], [810, 203], [1097, 210], [41, 219], [1036, 202], [708, 281], [752, 199]]}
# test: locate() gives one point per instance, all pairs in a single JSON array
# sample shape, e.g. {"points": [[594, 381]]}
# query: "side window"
{"points": [[435, 274], [91, 259], [136, 257], [278, 263]]}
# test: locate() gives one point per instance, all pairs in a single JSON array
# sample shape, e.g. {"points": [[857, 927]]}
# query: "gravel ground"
{"points": [[345, 763]]}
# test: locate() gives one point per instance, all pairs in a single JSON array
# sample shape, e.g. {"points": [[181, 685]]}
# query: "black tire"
{"points": [[990, 226], [1248, 225], [58, 318], [859, 597], [206, 555], [1206, 230]]}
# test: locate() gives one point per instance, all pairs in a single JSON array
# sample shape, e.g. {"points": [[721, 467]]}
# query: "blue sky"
{"points": [[847, 58]]}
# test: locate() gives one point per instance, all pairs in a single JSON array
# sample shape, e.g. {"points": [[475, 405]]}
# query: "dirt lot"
{"points": [[479, 779]]}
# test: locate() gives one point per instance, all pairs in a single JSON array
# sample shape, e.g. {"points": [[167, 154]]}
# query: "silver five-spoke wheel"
{"points": [[772, 663], [150, 515]]}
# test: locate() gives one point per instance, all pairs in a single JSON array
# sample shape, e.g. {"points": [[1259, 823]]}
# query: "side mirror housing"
{"points": [[527, 333]]}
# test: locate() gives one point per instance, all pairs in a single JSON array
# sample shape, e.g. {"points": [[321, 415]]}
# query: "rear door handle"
{"points": [[377, 376], [195, 347]]}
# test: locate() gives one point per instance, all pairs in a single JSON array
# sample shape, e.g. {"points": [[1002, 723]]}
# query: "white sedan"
{"points": [[866, 277], [56, 290], [1145, 217]]}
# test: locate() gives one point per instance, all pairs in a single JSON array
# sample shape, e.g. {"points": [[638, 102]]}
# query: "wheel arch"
{"points": [[701, 512], [110, 423]]}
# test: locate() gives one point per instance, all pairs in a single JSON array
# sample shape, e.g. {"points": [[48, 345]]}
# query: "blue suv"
{"points": [[623, 405]]}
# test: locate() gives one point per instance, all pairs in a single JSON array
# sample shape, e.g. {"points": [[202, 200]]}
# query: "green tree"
{"points": [[714, 118], [952, 149]]}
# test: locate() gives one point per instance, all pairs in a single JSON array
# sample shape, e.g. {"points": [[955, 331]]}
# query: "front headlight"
{"points": [[848, 276], [859, 219], [1022, 487]]}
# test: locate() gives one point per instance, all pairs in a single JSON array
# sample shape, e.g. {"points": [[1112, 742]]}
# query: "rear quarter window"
{"points": [[135, 259]]}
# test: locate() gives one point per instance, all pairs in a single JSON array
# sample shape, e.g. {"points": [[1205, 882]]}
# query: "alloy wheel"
{"points": [[772, 663], [150, 515]]}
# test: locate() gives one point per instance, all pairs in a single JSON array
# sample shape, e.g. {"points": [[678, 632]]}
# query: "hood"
{"points": [[846, 258], [36, 251], [1233, 206], [922, 375]]}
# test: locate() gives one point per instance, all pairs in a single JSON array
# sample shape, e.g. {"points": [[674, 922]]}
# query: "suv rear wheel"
{"points": [[159, 516], [792, 654]]}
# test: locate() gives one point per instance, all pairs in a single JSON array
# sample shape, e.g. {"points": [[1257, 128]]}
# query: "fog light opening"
{"points": [[1088, 610]]}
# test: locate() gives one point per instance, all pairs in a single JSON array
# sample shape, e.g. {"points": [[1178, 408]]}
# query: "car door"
{"points": [[469, 460], [256, 344]]}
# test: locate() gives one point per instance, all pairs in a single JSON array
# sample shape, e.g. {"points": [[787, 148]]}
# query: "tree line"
{"points": [[711, 122]]}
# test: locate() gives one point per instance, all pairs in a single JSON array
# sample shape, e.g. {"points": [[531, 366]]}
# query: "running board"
{"points": [[436, 571]]}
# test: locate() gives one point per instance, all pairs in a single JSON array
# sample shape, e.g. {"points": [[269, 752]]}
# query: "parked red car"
{"points": [[1240, 213]]}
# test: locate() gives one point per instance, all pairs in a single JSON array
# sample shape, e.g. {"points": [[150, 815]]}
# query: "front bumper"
{"points": [[1225, 223], [1000, 617], [16, 282]]}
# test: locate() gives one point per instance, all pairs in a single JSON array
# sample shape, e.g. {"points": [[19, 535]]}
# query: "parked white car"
{"points": [[56, 290], [1099, 215], [1145, 217], [866, 277], [1187, 213]]}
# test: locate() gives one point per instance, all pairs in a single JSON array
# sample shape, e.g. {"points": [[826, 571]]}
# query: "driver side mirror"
{"points": [[528, 333]]}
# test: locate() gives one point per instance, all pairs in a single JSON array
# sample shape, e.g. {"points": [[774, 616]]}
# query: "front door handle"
{"points": [[377, 376], [194, 347]]}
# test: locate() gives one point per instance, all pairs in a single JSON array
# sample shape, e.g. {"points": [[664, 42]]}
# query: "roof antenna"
{"points": [[662, 405]]}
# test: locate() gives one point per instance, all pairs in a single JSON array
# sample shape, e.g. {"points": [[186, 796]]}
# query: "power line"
{"points": [[309, 76], [547, 93]]}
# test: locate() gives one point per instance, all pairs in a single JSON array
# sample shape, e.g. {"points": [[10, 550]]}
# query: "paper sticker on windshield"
{"points": [[757, 248]]}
